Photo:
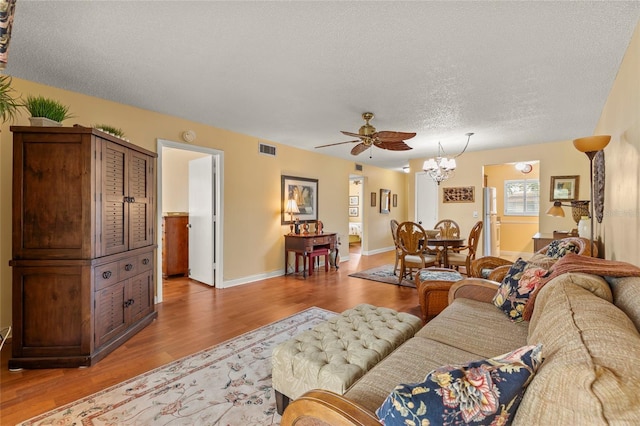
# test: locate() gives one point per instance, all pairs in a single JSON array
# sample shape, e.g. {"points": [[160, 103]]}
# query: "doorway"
{"points": [[176, 173], [356, 214]]}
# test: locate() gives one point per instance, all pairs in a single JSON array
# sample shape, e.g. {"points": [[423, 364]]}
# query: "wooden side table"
{"points": [[433, 286]]}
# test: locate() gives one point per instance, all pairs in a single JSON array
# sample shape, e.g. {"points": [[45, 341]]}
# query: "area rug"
{"points": [[227, 384], [383, 274]]}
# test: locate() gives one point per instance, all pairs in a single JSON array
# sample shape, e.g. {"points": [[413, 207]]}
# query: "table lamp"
{"points": [[291, 208]]}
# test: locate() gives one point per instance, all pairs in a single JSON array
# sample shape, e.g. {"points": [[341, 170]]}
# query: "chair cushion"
{"points": [[521, 280], [482, 392]]}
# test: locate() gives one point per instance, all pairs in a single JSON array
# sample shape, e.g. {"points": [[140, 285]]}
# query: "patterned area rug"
{"points": [[227, 384], [383, 274]]}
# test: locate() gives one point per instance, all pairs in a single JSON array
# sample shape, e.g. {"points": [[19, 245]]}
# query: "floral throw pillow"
{"points": [[559, 248], [481, 392], [521, 280]]}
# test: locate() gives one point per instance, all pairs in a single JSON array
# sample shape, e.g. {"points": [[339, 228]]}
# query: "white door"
{"points": [[426, 201], [202, 220]]}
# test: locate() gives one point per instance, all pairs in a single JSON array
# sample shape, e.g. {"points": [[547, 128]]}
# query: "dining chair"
{"points": [[448, 228], [456, 257], [411, 238], [394, 233]]}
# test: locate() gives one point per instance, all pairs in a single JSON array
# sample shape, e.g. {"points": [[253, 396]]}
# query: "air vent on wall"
{"points": [[267, 149], [359, 167]]}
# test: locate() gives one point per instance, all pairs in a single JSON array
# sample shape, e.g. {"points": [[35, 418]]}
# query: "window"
{"points": [[522, 197]]}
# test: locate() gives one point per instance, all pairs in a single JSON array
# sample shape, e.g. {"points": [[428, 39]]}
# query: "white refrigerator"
{"points": [[490, 223]]}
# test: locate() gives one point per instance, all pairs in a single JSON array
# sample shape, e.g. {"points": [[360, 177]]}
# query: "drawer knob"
{"points": [[128, 267], [145, 261], [106, 275]]}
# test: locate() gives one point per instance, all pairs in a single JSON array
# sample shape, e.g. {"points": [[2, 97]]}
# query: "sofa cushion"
{"points": [[591, 348], [411, 362], [521, 280], [476, 327], [480, 392], [558, 248], [626, 296]]}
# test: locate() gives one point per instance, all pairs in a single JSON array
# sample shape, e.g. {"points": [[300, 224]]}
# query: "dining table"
{"points": [[445, 243]]}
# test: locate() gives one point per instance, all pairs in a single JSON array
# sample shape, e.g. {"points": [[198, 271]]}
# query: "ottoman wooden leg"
{"points": [[281, 402]]}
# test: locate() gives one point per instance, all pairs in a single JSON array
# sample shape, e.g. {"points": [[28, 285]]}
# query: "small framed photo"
{"points": [[395, 200], [353, 211], [373, 199], [564, 188], [354, 200]]}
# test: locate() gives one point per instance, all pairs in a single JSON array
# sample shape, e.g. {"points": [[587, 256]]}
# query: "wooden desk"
{"points": [[445, 243], [304, 244]]}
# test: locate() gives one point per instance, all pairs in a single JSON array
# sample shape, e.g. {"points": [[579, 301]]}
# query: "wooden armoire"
{"points": [[83, 245]]}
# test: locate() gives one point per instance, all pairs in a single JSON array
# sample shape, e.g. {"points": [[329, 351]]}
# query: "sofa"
{"points": [[586, 326]]}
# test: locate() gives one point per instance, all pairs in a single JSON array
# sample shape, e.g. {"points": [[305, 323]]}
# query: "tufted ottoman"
{"points": [[336, 353]]}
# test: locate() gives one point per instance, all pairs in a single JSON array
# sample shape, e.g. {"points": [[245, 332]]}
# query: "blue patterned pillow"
{"points": [[481, 392], [558, 248], [521, 280]]}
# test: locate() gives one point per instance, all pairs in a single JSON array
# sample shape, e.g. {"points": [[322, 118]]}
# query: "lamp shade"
{"points": [[591, 143], [556, 210], [292, 207]]}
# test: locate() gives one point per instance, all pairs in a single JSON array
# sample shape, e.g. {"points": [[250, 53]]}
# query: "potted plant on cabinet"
{"points": [[45, 111], [9, 103]]}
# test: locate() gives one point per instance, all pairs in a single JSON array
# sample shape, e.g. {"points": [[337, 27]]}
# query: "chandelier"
{"points": [[442, 168]]}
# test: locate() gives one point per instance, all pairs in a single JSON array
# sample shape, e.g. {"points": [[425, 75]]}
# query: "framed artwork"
{"points": [[385, 201], [564, 188], [305, 192], [460, 194], [395, 200], [353, 211], [354, 200], [373, 199]]}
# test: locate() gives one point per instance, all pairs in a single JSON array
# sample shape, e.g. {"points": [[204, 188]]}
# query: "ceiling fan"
{"points": [[368, 136]]}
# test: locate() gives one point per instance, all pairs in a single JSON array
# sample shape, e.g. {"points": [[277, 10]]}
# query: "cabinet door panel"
{"points": [[114, 191], [110, 318], [140, 295], [140, 191]]}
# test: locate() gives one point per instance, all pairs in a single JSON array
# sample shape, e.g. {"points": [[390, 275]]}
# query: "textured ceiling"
{"points": [[299, 72]]}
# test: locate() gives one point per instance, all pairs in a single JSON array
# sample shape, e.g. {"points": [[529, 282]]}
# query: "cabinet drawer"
{"points": [[106, 275], [321, 240], [132, 266]]}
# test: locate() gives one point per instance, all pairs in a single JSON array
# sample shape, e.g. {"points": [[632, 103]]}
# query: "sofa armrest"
{"points": [[487, 262], [474, 288], [324, 408]]}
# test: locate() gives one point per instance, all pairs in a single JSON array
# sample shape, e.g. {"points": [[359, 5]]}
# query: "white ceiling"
{"points": [[298, 72]]}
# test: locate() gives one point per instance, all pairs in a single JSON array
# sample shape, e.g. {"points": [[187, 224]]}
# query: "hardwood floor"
{"points": [[194, 317]]}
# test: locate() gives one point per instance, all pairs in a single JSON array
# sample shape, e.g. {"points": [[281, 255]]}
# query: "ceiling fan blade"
{"points": [[393, 146], [361, 147], [355, 135], [387, 136], [337, 143]]}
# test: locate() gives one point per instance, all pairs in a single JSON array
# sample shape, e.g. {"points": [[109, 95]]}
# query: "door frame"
{"points": [[218, 157]]}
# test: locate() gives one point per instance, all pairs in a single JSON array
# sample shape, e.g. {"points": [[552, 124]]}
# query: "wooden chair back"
{"points": [[448, 228]]}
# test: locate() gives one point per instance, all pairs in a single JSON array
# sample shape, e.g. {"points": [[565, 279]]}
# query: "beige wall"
{"points": [[175, 179], [621, 119], [253, 242]]}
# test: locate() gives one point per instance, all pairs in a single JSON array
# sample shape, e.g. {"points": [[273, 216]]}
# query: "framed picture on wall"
{"points": [[385, 201], [395, 200], [564, 188], [353, 211], [373, 199], [354, 200], [305, 193]]}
